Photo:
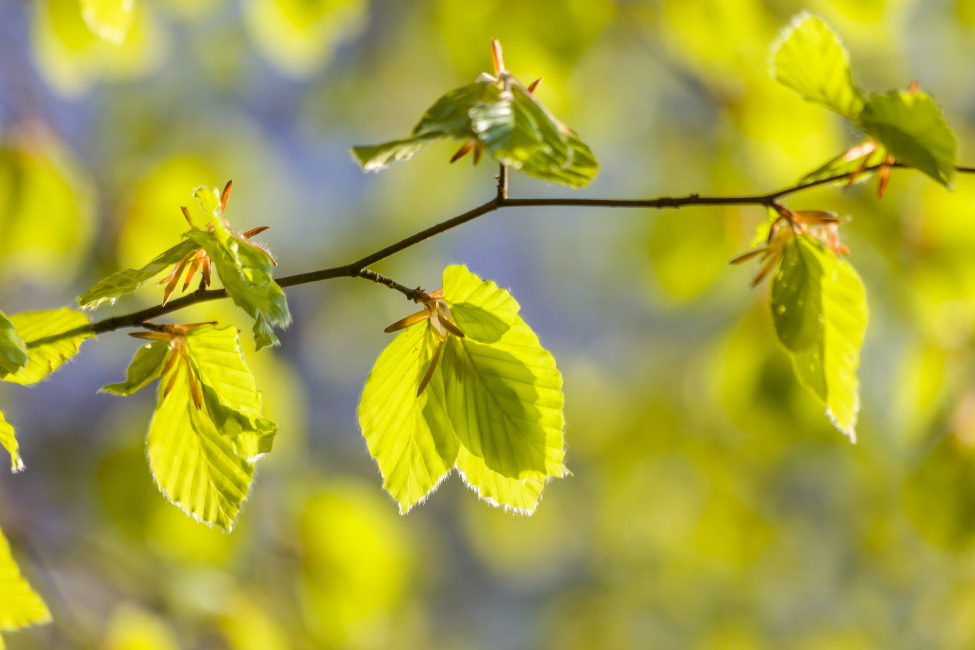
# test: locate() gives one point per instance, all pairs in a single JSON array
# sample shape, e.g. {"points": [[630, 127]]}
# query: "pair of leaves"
{"points": [[820, 312], [208, 429], [20, 605], [499, 116], [810, 59], [32, 346], [492, 408], [244, 269]]}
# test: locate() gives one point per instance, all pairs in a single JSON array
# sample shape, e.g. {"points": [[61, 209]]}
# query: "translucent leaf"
{"points": [[913, 130], [52, 337], [407, 434], [374, 158], [246, 274], [194, 465], [229, 389], [109, 19], [492, 408], [519, 132], [20, 605], [147, 364], [809, 58], [819, 308], [451, 114], [8, 440], [126, 281], [13, 351]]}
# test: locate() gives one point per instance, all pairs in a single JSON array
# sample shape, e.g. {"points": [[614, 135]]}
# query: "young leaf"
{"points": [[809, 58], [492, 406], [8, 440], [13, 351], [374, 158], [20, 605], [246, 274], [147, 364], [52, 337], [846, 167], [108, 19], [406, 433], [195, 466], [912, 128], [820, 312], [128, 280]]}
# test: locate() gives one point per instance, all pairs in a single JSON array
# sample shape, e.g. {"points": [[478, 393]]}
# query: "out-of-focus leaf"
{"points": [[131, 628], [406, 433], [109, 19], [194, 465], [147, 364], [819, 307], [298, 36], [46, 349], [128, 280], [20, 605], [809, 58], [13, 351], [912, 128], [8, 440], [492, 407]]}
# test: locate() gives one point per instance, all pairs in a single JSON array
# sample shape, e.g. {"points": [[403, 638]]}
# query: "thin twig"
{"points": [[359, 268]]}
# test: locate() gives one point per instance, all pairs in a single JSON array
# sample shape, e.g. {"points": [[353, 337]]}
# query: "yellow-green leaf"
{"points": [[20, 605], [146, 365], [52, 337], [819, 307], [810, 59], [13, 350], [8, 440], [912, 128], [128, 280], [109, 19], [194, 465]]}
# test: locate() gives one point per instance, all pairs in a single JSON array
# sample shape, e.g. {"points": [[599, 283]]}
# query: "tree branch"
{"points": [[359, 268]]}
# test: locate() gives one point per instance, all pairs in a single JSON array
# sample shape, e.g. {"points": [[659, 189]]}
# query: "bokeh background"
{"points": [[712, 504]]}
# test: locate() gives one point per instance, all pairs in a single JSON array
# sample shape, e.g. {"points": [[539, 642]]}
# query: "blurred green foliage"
{"points": [[711, 505]]}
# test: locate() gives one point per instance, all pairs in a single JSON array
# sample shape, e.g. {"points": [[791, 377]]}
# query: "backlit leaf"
{"points": [[809, 58], [842, 167], [146, 365], [492, 407], [913, 130], [13, 351], [194, 465], [374, 158], [20, 605], [8, 440], [820, 311], [126, 281], [44, 333]]}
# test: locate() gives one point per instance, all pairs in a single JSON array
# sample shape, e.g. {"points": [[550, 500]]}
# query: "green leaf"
{"points": [[126, 281], [147, 364], [8, 440], [194, 465], [13, 350], [492, 408], [819, 308], [246, 274], [450, 115], [519, 132], [20, 605], [913, 130], [52, 337], [809, 58], [407, 434], [374, 158], [108, 19]]}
